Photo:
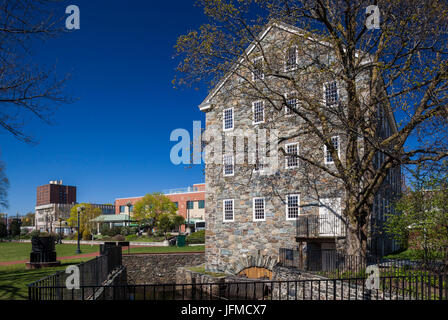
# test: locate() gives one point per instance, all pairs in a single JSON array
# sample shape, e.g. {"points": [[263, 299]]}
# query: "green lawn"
{"points": [[11, 251], [14, 278]]}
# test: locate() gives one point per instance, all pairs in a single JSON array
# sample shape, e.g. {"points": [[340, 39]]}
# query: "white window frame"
{"points": [[287, 157], [325, 93], [257, 157], [253, 112], [224, 210], [224, 119], [287, 207], [289, 69], [254, 78], [253, 208], [289, 96], [339, 150], [224, 164]]}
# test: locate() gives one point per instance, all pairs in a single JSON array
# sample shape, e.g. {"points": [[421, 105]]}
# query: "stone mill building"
{"points": [[254, 208]]}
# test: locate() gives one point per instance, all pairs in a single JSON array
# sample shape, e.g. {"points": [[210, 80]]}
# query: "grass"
{"points": [[201, 269], [14, 278], [12, 251]]}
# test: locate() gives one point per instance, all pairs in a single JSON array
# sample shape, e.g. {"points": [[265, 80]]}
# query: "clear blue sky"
{"points": [[114, 141]]}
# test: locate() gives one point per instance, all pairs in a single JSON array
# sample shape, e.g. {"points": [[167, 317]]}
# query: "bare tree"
{"points": [[26, 88], [397, 72]]}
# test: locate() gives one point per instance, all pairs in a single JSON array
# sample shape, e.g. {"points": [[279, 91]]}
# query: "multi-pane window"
{"points": [[259, 165], [258, 69], [292, 206], [201, 204], [227, 209], [258, 111], [190, 204], [122, 209], [292, 150], [228, 164], [291, 59], [176, 204], [291, 104], [331, 93], [228, 119], [328, 156], [258, 207]]}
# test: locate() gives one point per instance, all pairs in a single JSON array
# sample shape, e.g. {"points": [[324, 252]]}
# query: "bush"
{"points": [[3, 230], [118, 237], [196, 237]]}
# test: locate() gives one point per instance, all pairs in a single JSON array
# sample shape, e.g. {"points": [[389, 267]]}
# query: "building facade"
{"points": [[253, 211], [190, 202], [53, 205]]}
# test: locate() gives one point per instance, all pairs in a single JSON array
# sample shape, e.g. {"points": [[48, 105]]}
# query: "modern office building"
{"points": [[190, 202]]}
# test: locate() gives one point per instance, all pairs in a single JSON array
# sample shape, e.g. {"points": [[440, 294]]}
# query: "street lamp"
{"points": [[60, 231], [129, 204], [80, 210]]}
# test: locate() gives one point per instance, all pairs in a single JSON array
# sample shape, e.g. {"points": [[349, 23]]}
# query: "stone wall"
{"points": [[158, 268]]}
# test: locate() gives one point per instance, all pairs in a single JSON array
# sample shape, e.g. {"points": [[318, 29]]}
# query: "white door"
{"points": [[330, 220]]}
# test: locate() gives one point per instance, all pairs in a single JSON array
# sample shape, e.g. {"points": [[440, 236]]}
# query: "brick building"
{"points": [[54, 202], [190, 202]]}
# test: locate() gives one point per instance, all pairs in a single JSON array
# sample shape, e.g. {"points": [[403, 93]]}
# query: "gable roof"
{"points": [[205, 105]]}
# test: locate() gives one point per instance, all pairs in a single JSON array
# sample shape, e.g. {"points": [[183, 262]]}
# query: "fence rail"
{"points": [[92, 273], [391, 288], [330, 263], [320, 226]]}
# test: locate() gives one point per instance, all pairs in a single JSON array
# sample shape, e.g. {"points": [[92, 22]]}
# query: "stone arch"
{"points": [[252, 261]]}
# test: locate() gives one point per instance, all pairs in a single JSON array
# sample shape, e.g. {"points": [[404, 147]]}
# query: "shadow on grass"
{"points": [[14, 279]]}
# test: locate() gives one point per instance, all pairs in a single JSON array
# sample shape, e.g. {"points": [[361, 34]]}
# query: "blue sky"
{"points": [[114, 140]]}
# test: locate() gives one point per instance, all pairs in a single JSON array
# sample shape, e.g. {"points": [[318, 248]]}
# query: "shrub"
{"points": [[3, 230], [118, 237], [196, 237]]}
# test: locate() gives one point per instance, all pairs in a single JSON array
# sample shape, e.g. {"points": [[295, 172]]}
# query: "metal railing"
{"points": [[390, 288], [332, 264], [323, 225], [92, 273]]}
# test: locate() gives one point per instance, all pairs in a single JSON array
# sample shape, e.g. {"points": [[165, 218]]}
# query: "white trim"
{"points": [[287, 57], [253, 112], [287, 97], [339, 150], [286, 157], [298, 204], [262, 71], [253, 209], [224, 210], [205, 106], [224, 119], [325, 92], [224, 165]]}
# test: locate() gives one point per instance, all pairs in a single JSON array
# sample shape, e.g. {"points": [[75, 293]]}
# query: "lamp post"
{"points": [[80, 209], [129, 204], [60, 230]]}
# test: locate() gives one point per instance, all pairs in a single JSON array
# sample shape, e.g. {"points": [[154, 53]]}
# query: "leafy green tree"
{"points": [[3, 230], [423, 224], [14, 228], [178, 220], [150, 209], [86, 225], [28, 219], [165, 223]]}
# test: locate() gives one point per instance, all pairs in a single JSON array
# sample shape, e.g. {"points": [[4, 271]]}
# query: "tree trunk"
{"points": [[357, 231]]}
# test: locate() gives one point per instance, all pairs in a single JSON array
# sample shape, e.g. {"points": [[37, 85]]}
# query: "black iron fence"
{"points": [[91, 274], [390, 288], [320, 226], [331, 264]]}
